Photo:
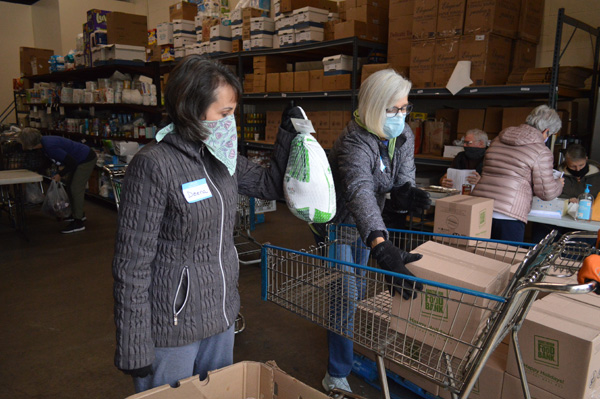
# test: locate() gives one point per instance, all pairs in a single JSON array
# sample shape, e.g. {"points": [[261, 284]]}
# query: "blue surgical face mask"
{"points": [[394, 126]]}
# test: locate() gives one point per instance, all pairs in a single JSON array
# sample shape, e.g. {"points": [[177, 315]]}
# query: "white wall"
{"points": [[16, 31], [580, 50], [47, 25]]}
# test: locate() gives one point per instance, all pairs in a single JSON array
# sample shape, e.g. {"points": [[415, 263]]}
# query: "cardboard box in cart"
{"points": [[239, 381], [439, 309], [464, 215], [560, 341]]}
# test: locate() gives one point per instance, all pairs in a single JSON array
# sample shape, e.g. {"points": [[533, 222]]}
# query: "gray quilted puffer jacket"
{"points": [[363, 174], [517, 166], [176, 267]]}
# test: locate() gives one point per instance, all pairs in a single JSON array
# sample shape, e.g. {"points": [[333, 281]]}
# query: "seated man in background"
{"points": [[578, 171], [475, 143]]}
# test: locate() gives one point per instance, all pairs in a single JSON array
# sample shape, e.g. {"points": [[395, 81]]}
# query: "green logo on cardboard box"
{"points": [[434, 303], [482, 218], [546, 351]]}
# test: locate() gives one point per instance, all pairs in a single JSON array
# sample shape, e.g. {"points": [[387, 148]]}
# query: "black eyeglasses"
{"points": [[406, 109]]}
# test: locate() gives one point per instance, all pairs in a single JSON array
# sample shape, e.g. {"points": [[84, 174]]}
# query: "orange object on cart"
{"points": [[590, 270]]}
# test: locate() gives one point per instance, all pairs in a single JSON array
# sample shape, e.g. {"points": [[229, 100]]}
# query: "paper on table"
{"points": [[459, 177], [461, 77]]}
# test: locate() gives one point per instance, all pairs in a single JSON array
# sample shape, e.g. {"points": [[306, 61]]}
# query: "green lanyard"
{"points": [[391, 142]]}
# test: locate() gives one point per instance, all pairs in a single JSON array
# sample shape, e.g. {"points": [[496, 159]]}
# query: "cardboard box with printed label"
{"points": [[400, 8], [422, 56], [446, 56], [315, 80], [336, 120], [183, 10], [400, 30], [440, 308], [489, 383], [511, 389], [492, 16], [369, 14], [164, 33], [239, 381], [425, 19], [451, 17], [321, 120], [523, 55], [464, 215], [34, 61], [490, 64], [470, 119], [560, 341], [337, 64], [129, 29]]}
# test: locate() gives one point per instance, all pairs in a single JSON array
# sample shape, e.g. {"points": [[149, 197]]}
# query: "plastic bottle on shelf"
{"points": [[584, 211]]}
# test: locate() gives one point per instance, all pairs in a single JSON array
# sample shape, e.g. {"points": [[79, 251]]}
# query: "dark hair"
{"points": [[191, 89], [576, 152]]}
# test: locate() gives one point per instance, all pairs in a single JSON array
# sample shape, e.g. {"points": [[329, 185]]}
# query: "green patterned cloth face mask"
{"points": [[222, 141]]}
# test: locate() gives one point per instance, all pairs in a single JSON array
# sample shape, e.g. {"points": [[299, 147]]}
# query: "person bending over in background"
{"points": [[78, 161], [516, 166], [175, 266], [475, 144], [373, 156], [578, 171]]}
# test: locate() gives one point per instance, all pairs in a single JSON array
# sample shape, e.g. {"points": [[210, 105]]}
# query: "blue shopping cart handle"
{"points": [[388, 273]]}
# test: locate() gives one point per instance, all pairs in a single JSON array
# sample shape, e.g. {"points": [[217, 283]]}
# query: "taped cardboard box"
{"points": [[446, 57], [368, 14], [425, 19], [530, 20], [183, 10], [34, 61], [492, 16], [369, 69], [441, 309], [238, 381], [451, 17], [350, 29], [523, 55], [559, 342], [123, 28], [422, 56], [490, 381], [511, 389], [488, 55], [402, 7], [464, 215]]}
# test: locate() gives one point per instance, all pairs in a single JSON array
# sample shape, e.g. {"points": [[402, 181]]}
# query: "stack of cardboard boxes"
{"points": [[267, 69], [365, 19]]}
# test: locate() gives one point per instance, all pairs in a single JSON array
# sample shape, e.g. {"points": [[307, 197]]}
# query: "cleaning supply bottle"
{"points": [[584, 212]]}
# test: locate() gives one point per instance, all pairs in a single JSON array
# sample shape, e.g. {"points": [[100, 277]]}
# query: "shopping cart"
{"points": [[248, 248], [354, 301], [115, 175]]}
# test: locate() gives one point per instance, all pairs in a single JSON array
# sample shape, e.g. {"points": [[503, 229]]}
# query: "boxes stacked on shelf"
{"points": [[247, 15], [184, 34], [445, 59], [422, 56], [272, 125], [183, 10], [309, 24], [267, 69], [262, 31], [207, 24], [365, 19], [254, 126], [400, 34], [152, 48], [328, 125], [337, 72], [164, 39], [34, 61], [284, 26], [220, 39]]}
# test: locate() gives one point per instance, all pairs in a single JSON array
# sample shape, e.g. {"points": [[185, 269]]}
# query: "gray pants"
{"points": [[79, 179], [198, 358]]}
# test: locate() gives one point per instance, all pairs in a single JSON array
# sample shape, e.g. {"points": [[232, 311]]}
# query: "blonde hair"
{"points": [[380, 91]]}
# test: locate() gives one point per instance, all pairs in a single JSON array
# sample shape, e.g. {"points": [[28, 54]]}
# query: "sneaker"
{"points": [[73, 227], [72, 219], [330, 383]]}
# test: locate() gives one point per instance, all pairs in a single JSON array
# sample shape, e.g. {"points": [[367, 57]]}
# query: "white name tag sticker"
{"points": [[195, 191], [381, 164]]}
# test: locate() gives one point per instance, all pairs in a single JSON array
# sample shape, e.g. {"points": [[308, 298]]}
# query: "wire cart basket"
{"points": [[354, 301], [115, 173], [248, 248]]}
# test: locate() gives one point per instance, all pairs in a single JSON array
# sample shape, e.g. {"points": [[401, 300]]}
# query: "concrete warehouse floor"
{"points": [[58, 337]]}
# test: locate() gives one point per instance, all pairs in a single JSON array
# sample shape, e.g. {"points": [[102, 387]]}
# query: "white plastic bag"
{"points": [[33, 193], [308, 182], [57, 201]]}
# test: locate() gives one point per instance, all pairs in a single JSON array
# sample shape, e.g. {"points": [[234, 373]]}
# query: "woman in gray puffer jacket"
{"points": [[175, 266], [516, 166]]}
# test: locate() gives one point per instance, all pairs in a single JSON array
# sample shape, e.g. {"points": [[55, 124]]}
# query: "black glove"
{"points": [[411, 199], [139, 373], [291, 112], [390, 257]]}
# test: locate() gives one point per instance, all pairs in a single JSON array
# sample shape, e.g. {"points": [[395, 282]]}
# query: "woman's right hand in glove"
{"points": [[390, 257]]}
